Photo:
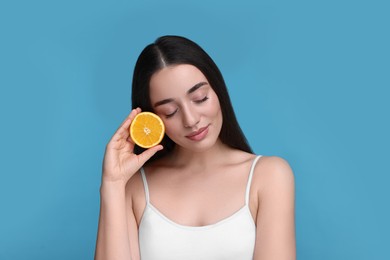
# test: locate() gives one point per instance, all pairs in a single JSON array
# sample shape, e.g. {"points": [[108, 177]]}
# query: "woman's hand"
{"points": [[120, 163]]}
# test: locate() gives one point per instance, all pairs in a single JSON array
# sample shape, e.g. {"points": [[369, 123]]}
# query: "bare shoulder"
{"points": [[273, 172], [134, 186], [275, 164], [238, 157]]}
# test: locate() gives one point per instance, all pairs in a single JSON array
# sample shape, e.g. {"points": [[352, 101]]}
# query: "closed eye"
{"points": [[201, 100], [171, 114]]}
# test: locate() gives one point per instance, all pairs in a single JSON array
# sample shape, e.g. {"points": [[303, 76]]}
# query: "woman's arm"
{"points": [[113, 237], [275, 235], [117, 226]]}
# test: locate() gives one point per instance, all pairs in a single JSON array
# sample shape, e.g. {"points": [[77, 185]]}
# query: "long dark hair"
{"points": [[175, 50]]}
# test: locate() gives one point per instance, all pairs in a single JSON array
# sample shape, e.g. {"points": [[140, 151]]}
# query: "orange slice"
{"points": [[147, 129]]}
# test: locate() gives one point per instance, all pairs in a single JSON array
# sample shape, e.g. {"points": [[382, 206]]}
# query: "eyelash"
{"points": [[196, 101], [171, 114], [202, 100]]}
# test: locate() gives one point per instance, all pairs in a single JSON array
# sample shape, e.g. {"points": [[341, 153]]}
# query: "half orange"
{"points": [[147, 129]]}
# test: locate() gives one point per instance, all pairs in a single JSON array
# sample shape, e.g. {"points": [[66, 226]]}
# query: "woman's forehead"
{"points": [[177, 79]]}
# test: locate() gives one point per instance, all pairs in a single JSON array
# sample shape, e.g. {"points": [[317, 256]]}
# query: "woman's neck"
{"points": [[181, 157]]}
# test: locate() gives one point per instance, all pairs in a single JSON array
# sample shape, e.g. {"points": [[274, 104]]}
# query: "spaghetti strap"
{"points": [[248, 185], [145, 185]]}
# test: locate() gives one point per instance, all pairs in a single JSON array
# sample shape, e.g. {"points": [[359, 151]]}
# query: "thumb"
{"points": [[147, 154]]}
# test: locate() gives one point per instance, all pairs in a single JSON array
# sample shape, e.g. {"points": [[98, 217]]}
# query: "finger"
{"points": [[146, 155]]}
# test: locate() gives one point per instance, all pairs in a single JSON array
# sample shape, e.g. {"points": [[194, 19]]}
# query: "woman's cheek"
{"points": [[170, 128]]}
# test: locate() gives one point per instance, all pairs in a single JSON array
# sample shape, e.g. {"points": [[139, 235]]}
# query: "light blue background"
{"points": [[309, 81]]}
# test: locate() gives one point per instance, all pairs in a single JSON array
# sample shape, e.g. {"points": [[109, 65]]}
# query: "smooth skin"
{"points": [[200, 183]]}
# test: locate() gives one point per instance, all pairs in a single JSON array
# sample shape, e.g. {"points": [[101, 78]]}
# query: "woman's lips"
{"points": [[198, 135]]}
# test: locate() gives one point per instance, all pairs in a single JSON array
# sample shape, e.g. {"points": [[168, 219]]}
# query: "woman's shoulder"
{"points": [[265, 165], [273, 172], [236, 156], [135, 185], [274, 163]]}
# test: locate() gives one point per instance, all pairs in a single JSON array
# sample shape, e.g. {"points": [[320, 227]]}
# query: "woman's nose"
{"points": [[190, 117]]}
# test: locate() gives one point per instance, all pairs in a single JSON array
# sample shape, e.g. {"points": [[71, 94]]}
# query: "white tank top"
{"points": [[231, 238]]}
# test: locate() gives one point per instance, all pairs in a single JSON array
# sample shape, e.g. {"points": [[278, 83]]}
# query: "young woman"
{"points": [[202, 193]]}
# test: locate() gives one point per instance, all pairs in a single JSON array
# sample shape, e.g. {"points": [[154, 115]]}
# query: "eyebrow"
{"points": [[191, 90]]}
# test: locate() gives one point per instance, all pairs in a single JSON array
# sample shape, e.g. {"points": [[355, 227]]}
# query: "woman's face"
{"points": [[189, 107]]}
